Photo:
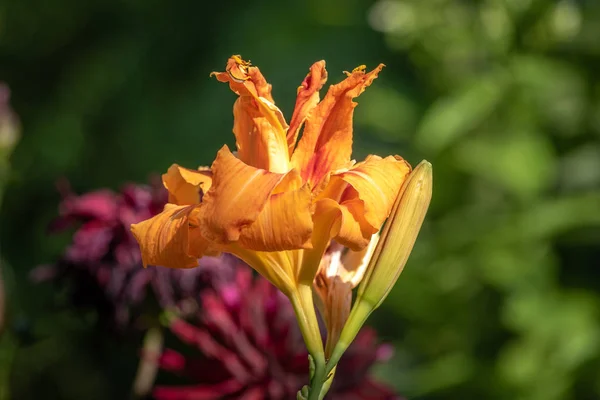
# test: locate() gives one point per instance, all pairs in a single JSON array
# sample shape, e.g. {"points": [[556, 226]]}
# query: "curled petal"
{"points": [[198, 246], [348, 226], [307, 99], [365, 195], [259, 129], [376, 182], [186, 186], [284, 224], [244, 79], [238, 195], [259, 126], [164, 238], [326, 142], [354, 232]]}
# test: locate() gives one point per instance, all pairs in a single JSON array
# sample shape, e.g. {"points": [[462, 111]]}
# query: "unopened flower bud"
{"points": [[392, 251], [398, 236]]}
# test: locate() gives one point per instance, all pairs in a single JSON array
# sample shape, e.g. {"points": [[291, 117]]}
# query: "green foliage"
{"points": [[511, 311], [500, 298]]}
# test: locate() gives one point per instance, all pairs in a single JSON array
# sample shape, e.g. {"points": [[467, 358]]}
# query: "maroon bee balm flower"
{"points": [[250, 348], [102, 265]]}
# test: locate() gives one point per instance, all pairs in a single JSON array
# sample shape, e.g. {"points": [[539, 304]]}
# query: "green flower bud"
{"points": [[398, 236], [389, 258]]}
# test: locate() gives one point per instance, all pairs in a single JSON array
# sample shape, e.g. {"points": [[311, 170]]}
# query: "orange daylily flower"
{"points": [[278, 202]]}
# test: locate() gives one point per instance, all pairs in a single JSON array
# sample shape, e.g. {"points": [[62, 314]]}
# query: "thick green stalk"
{"points": [[302, 301], [317, 389]]}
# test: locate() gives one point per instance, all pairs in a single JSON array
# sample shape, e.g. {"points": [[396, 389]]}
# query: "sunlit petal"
{"points": [[259, 126], [326, 142], [244, 79], [186, 186], [284, 224], [238, 195], [307, 100], [164, 239], [349, 227], [376, 182]]}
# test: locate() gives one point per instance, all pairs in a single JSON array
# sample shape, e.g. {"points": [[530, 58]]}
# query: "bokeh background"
{"points": [[501, 297]]}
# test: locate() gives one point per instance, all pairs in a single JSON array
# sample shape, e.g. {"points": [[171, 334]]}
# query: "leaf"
{"points": [[456, 115]]}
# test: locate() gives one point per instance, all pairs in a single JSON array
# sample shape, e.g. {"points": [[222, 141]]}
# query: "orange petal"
{"points": [[259, 126], [198, 246], [326, 142], [349, 227], [364, 196], [259, 129], [164, 238], [284, 224], [244, 79], [186, 186], [376, 182], [307, 99], [238, 195]]}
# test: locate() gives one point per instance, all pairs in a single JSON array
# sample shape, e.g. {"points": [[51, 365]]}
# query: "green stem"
{"points": [[359, 314], [317, 389], [302, 301], [327, 383]]}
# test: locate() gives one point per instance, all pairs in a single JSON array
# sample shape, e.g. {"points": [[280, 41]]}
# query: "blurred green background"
{"points": [[501, 297]]}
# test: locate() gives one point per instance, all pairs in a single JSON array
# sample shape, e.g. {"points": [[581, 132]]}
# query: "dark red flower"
{"points": [[102, 265], [250, 348]]}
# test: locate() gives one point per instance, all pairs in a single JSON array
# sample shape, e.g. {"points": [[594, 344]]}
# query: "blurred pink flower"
{"points": [[102, 264], [250, 348]]}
